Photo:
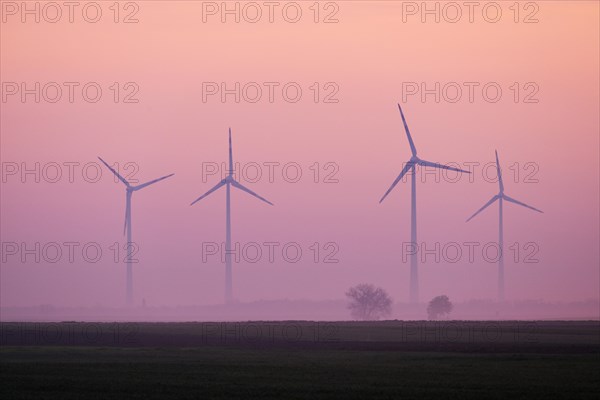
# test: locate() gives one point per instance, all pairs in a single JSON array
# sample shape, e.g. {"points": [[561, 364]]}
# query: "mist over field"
{"points": [[334, 310]]}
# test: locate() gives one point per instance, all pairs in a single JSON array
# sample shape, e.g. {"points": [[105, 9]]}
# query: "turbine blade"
{"points": [[499, 173], [138, 187], [413, 149], [486, 205], [505, 197], [218, 185], [406, 168], [436, 165], [245, 189], [114, 172], [230, 155], [127, 210]]}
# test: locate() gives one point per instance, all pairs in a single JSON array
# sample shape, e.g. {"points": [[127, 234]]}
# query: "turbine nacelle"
{"points": [[128, 186], [129, 189], [501, 195], [229, 180], [415, 160]]}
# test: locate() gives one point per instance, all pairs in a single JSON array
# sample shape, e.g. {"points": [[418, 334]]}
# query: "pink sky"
{"points": [[369, 53]]}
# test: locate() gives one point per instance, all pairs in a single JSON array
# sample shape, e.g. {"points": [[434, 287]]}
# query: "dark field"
{"points": [[291, 360]]}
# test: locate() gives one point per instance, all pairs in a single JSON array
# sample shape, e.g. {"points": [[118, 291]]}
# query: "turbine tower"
{"points": [[411, 166], [501, 197], [129, 189], [228, 182]]}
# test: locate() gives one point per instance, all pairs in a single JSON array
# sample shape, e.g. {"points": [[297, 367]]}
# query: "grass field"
{"points": [[293, 360]]}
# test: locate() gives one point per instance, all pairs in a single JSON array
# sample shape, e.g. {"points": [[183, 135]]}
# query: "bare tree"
{"points": [[439, 306], [368, 303]]}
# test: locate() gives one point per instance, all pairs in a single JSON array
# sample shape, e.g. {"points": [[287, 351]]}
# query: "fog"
{"points": [[324, 165]]}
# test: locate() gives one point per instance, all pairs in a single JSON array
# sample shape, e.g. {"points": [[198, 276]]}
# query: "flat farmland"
{"points": [[301, 359]]}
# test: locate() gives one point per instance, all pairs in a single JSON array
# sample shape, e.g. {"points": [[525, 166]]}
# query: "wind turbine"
{"points": [[411, 166], [501, 197], [228, 182], [129, 189]]}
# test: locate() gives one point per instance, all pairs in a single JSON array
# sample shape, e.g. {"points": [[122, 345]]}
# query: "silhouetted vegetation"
{"points": [[439, 306], [368, 303]]}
